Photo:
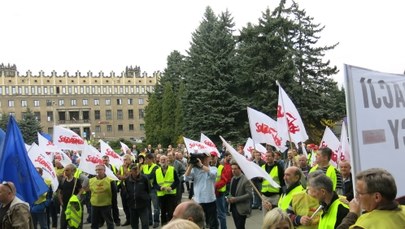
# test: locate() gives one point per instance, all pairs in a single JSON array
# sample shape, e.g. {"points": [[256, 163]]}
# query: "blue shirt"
{"points": [[204, 184]]}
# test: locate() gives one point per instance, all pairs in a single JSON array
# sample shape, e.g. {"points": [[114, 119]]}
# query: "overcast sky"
{"points": [[110, 35]]}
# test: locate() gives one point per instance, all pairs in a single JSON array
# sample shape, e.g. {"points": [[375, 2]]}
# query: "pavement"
{"points": [[253, 222]]}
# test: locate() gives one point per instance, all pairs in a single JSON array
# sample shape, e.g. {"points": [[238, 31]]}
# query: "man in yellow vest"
{"points": [[149, 169], [103, 190], [334, 210], [123, 173], [115, 211], [375, 193], [323, 157], [165, 183], [271, 194], [223, 179], [292, 177]]}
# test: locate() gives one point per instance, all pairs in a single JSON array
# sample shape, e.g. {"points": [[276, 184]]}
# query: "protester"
{"points": [[137, 187], [277, 219], [224, 176], [240, 197], [257, 159], [149, 170], [180, 224], [190, 210], [204, 177], [115, 211], [375, 193], [14, 213], [334, 210], [123, 173], [292, 177], [39, 209], [180, 170], [347, 179]]}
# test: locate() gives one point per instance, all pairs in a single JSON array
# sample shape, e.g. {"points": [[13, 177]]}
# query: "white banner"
{"points": [[345, 145], [213, 148], [53, 151], [67, 139], [376, 121], [115, 159], [196, 147], [92, 157], [251, 145], [330, 140]]}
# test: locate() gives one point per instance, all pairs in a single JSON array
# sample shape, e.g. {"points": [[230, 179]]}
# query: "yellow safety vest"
{"points": [[122, 173], [305, 205], [285, 200], [165, 181], [266, 187], [146, 169], [42, 198], [74, 212], [382, 219], [218, 178], [101, 194], [328, 220], [330, 172]]}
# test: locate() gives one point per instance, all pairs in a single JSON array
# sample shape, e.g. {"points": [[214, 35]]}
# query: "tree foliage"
{"points": [[30, 126]]}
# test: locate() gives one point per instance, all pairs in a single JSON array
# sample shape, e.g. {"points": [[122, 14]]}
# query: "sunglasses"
{"points": [[8, 185]]}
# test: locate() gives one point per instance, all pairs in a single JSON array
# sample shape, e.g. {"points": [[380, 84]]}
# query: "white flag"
{"points": [[249, 168], [91, 157], [345, 145], [53, 151], [288, 119], [250, 146], [115, 159], [40, 159], [330, 140], [67, 139], [213, 148], [264, 129], [196, 147]]}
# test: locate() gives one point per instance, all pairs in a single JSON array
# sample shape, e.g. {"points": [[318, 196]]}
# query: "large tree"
{"points": [[210, 104], [167, 136], [153, 119], [30, 126]]}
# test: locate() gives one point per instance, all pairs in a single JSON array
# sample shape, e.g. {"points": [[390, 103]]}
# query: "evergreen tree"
{"points": [[167, 136], [153, 118], [29, 127], [210, 104], [179, 117], [174, 73], [3, 121]]}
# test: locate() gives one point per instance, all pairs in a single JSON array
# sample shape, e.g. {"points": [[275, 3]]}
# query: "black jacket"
{"points": [[138, 190]]}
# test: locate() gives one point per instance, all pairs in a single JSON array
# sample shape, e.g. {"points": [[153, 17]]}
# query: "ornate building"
{"points": [[97, 106]]}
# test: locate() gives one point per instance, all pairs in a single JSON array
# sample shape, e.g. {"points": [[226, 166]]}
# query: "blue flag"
{"points": [[2, 138], [15, 166], [47, 136]]}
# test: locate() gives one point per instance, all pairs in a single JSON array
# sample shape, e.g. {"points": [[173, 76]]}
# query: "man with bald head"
{"points": [[190, 210], [14, 213], [292, 177]]}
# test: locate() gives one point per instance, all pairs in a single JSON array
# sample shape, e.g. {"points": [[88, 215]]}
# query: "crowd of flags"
{"points": [[18, 160]]}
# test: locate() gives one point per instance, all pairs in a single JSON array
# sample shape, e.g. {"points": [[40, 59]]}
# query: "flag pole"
{"points": [[286, 121]]}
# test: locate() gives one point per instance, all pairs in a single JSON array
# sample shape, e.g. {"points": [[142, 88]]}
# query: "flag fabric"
{"points": [[40, 159], [344, 153], [47, 136], [2, 138], [67, 139], [250, 146], [115, 159], [125, 149], [196, 147], [53, 151], [263, 129], [204, 139], [91, 157], [249, 168], [15, 166], [330, 140], [288, 119]]}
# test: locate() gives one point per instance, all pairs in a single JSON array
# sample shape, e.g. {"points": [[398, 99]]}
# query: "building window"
{"points": [[96, 102], [108, 114], [49, 116], [131, 127], [130, 114], [13, 90], [85, 102], [130, 101], [73, 102], [109, 128], [97, 115], [36, 103], [108, 102], [97, 129], [45, 90], [119, 101], [120, 128], [23, 103], [141, 127], [37, 116], [11, 103], [141, 113], [48, 103], [86, 115], [61, 102], [140, 101], [120, 115]]}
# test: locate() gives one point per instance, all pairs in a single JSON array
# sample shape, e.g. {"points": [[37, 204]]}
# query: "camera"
{"points": [[194, 156]]}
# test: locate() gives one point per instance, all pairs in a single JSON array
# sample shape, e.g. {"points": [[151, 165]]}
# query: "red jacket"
{"points": [[226, 177]]}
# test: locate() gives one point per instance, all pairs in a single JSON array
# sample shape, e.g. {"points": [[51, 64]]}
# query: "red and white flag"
{"points": [[53, 151], [249, 168], [40, 159], [67, 139], [196, 147], [91, 157], [250, 146], [264, 129], [288, 119], [345, 145], [330, 140], [204, 139], [115, 159]]}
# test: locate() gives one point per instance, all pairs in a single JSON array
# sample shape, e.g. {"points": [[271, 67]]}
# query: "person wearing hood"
{"points": [[14, 213]]}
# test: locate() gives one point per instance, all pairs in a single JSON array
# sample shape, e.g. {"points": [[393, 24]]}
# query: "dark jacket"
{"points": [[138, 190], [18, 216]]}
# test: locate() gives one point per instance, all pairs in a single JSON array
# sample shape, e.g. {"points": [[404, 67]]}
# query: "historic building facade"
{"points": [[97, 106]]}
